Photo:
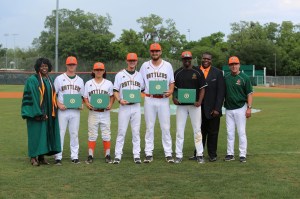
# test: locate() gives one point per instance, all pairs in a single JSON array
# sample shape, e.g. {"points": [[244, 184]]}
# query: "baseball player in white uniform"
{"points": [[157, 69], [69, 83], [98, 117], [132, 80]]}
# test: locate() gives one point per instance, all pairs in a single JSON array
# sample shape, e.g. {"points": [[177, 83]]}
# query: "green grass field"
{"points": [[272, 168]]}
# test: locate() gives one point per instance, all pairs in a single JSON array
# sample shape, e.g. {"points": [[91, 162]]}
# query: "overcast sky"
{"points": [[23, 20]]}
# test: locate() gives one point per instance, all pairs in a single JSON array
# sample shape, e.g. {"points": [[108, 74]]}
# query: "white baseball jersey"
{"points": [[64, 85], [70, 117], [132, 112], [125, 80], [92, 87], [162, 72], [98, 119]]}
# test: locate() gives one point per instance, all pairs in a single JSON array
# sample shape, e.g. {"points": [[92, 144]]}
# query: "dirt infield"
{"points": [[277, 95], [11, 94], [273, 95]]}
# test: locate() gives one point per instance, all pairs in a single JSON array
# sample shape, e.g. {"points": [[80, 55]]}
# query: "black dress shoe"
{"points": [[212, 159]]}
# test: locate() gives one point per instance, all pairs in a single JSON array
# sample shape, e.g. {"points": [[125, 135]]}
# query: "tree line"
{"points": [[88, 36]]}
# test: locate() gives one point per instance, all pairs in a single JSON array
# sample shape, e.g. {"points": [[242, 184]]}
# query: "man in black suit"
{"points": [[211, 106]]}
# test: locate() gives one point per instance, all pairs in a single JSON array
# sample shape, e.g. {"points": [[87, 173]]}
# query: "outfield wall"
{"points": [[20, 77]]}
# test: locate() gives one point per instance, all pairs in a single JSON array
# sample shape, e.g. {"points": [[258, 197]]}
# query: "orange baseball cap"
{"points": [[132, 56], [186, 54], [99, 65], [233, 60], [155, 46], [71, 60]]}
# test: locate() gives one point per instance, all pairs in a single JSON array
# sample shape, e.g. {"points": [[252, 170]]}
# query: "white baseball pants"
{"points": [[69, 118], [182, 113], [96, 120], [236, 119], [160, 107], [132, 114]]}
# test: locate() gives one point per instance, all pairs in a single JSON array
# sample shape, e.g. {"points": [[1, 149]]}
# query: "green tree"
{"points": [[213, 44], [263, 45], [2, 51], [253, 43], [85, 35], [130, 41], [155, 29], [289, 43]]}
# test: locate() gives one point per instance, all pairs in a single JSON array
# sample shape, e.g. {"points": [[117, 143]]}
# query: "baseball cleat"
{"points": [[137, 161], [58, 163], [148, 159], [229, 158], [75, 161], [193, 158], [116, 161], [89, 160], [169, 159], [178, 160], [200, 159], [108, 159], [242, 159]]}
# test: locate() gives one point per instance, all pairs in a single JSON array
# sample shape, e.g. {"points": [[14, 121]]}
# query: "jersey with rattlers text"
{"points": [[66, 85], [162, 72], [125, 80], [92, 87]]}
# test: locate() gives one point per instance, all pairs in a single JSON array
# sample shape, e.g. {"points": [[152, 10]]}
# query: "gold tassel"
{"points": [[42, 90]]}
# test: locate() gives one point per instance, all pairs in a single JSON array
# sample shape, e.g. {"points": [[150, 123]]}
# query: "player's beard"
{"points": [[155, 58]]}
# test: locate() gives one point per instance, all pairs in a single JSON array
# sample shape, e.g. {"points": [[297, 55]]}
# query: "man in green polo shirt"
{"points": [[238, 104]]}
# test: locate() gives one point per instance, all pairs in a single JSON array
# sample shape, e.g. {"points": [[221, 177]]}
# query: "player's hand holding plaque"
{"points": [[186, 96], [72, 101], [132, 96], [157, 87], [99, 101]]}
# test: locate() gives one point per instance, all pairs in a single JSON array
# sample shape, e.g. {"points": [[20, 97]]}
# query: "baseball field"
{"points": [[272, 169]]}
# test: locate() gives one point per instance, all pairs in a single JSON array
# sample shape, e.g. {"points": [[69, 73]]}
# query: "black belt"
{"points": [[155, 96], [98, 110]]}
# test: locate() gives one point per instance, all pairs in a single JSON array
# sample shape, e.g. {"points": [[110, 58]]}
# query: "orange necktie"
{"points": [[205, 72]]}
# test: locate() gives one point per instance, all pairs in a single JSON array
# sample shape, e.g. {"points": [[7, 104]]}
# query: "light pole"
{"points": [[6, 35], [189, 31], [275, 63], [14, 35]]}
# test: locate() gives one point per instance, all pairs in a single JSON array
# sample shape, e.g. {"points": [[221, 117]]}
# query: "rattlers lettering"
{"points": [[97, 92], [130, 83], [70, 87], [156, 74]]}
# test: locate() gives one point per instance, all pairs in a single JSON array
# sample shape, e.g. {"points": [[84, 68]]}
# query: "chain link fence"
{"points": [[10, 63], [283, 80], [17, 72]]}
